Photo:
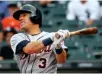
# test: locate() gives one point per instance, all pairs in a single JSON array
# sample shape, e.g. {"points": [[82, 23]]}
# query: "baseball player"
{"points": [[37, 51]]}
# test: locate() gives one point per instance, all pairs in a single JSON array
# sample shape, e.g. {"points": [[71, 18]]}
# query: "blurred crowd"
{"points": [[88, 11]]}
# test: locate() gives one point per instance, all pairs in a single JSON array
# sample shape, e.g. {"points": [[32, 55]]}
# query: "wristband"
{"points": [[59, 51], [47, 41]]}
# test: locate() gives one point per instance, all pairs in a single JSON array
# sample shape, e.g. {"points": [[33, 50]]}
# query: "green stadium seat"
{"points": [[70, 25], [71, 44], [46, 28], [58, 11], [97, 46], [86, 40], [78, 55]]}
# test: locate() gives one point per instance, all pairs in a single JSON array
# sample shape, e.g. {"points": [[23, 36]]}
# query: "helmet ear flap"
{"points": [[32, 14], [37, 18]]}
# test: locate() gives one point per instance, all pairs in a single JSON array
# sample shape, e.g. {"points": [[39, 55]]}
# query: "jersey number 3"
{"points": [[43, 63]]}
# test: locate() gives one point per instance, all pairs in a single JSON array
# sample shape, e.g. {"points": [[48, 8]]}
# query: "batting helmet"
{"points": [[35, 14]]}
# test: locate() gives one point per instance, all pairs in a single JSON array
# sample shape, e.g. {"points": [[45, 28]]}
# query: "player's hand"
{"points": [[65, 33], [57, 38]]}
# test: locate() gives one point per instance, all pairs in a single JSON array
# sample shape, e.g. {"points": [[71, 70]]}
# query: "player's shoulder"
{"points": [[47, 33], [18, 35]]}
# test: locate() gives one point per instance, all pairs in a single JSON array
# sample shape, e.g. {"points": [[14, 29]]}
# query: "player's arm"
{"points": [[20, 45], [36, 46], [61, 49], [61, 54]]}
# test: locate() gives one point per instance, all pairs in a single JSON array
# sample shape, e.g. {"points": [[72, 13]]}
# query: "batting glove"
{"points": [[65, 33], [57, 38]]}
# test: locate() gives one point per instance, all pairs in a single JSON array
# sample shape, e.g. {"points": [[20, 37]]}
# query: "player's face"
{"points": [[25, 21]]}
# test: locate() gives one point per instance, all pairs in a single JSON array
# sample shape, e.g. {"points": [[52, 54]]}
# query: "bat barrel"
{"points": [[87, 31]]}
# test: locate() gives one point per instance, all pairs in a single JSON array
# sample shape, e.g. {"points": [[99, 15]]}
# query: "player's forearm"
{"points": [[37, 46], [33, 47], [61, 58]]}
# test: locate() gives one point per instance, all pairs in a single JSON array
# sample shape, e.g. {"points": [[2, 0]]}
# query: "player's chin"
{"points": [[24, 28]]}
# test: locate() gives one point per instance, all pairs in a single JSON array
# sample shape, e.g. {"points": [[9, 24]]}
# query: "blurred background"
{"points": [[85, 52]]}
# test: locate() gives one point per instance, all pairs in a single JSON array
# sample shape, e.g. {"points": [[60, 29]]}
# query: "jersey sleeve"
{"points": [[17, 43]]}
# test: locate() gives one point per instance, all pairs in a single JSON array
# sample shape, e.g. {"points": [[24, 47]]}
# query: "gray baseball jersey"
{"points": [[42, 62]]}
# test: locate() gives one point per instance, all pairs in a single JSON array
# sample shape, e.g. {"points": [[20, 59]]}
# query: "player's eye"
{"points": [[24, 15]]}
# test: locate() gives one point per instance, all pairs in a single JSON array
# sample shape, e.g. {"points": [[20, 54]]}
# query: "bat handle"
{"points": [[67, 35]]}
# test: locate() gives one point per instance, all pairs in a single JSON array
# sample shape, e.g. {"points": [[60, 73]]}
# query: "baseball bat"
{"points": [[85, 31]]}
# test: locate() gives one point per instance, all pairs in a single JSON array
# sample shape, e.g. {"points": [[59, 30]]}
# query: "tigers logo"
{"points": [[46, 49]]}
